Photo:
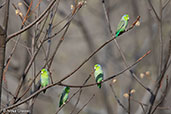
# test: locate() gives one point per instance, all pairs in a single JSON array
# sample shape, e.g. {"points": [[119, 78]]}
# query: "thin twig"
{"points": [[86, 104], [149, 1], [9, 58], [80, 95], [117, 99], [33, 23], [162, 98], [164, 6], [21, 18], [141, 104], [129, 102], [22, 45], [8, 91], [78, 99], [3, 4], [65, 18], [7, 16], [25, 18], [107, 16], [52, 17]]}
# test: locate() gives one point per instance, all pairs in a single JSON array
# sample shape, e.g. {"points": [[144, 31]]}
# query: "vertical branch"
{"points": [[160, 39], [107, 16], [3, 35], [49, 31], [6, 16], [2, 58], [32, 101]]}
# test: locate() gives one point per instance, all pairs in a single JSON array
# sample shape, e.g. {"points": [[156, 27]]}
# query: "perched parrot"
{"points": [[64, 96], [122, 25], [44, 78], [98, 73]]}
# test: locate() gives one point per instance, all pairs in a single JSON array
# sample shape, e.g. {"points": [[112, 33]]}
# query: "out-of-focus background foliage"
{"points": [[88, 31]]}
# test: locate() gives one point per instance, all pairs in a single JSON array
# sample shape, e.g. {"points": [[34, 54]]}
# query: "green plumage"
{"points": [[44, 78], [98, 73], [122, 25], [64, 96]]}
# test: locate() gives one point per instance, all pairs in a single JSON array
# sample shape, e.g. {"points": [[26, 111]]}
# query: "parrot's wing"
{"points": [[99, 77], [41, 80], [120, 25], [61, 100]]}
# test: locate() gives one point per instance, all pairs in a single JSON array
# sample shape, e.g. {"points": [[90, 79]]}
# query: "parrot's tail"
{"points": [[117, 34], [44, 91], [99, 85]]}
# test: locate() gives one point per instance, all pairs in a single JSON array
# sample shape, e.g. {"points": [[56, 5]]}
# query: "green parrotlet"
{"points": [[64, 96], [98, 73], [122, 25], [44, 78]]}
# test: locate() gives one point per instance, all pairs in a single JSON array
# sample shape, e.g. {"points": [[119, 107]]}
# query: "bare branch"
{"points": [[33, 23], [164, 6], [86, 104], [149, 1], [117, 99]]}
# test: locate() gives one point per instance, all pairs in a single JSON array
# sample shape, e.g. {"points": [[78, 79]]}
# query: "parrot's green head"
{"points": [[43, 71], [97, 66], [125, 17], [67, 89]]}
